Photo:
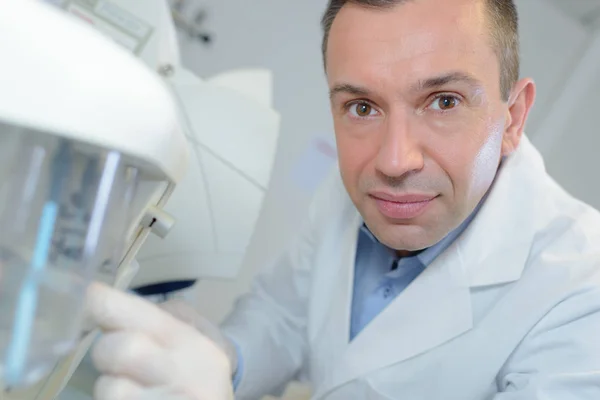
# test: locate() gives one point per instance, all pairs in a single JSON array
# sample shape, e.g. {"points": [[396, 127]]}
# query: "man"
{"points": [[440, 261]]}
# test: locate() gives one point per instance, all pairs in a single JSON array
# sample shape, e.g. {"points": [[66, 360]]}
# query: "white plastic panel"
{"points": [[216, 211], [233, 138], [235, 205], [255, 83], [190, 206], [193, 232], [241, 132]]}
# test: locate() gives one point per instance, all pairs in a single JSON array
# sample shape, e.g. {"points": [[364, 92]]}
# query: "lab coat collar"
{"points": [[496, 245], [436, 307], [433, 309]]}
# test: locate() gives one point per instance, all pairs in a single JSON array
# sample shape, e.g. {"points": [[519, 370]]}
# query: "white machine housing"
{"points": [[232, 132], [113, 116]]}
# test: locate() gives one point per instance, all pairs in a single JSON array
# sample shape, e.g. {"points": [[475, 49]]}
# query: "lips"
{"points": [[402, 207]]}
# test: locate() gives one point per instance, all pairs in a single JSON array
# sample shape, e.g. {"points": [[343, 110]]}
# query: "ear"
{"points": [[520, 102]]}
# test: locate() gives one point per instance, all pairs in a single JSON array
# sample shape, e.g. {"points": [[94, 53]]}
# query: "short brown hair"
{"points": [[504, 24]]}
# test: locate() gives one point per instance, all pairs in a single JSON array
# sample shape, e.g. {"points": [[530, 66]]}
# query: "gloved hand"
{"points": [[147, 354], [186, 313]]}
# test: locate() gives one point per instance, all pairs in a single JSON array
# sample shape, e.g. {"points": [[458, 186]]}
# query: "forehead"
{"points": [[410, 41]]}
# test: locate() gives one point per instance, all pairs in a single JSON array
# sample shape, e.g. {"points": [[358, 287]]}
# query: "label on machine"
{"points": [[114, 21]]}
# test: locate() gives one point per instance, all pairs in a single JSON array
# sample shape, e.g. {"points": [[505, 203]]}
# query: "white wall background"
{"points": [[572, 157], [551, 45], [285, 37]]}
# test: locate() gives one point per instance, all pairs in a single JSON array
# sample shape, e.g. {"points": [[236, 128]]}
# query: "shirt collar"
{"points": [[368, 232]]}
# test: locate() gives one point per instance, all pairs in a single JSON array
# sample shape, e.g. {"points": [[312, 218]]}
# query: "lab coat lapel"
{"points": [[435, 308], [330, 334], [499, 240]]}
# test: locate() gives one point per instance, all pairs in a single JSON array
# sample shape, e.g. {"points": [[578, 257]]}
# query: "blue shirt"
{"points": [[380, 276]]}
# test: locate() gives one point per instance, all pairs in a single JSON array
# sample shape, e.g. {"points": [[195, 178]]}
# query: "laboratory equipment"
{"points": [[232, 130], [90, 149], [62, 208]]}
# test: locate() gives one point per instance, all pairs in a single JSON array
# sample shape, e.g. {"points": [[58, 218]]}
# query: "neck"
{"points": [[406, 253]]}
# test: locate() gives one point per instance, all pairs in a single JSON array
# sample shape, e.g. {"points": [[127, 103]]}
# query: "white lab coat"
{"points": [[510, 311]]}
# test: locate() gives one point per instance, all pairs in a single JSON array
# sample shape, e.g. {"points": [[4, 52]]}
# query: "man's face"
{"points": [[418, 113]]}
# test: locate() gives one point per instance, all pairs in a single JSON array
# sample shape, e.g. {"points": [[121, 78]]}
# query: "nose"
{"points": [[400, 151]]}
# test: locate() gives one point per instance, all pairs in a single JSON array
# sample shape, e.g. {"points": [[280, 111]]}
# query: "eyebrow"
{"points": [[349, 89], [422, 85], [442, 80]]}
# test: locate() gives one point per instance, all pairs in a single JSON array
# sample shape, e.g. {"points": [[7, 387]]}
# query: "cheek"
{"points": [[355, 153], [351, 162], [453, 137], [487, 158], [468, 150]]}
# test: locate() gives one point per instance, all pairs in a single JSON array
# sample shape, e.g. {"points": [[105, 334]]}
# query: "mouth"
{"points": [[402, 207]]}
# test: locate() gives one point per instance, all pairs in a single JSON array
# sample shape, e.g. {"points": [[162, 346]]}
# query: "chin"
{"points": [[414, 235], [403, 237], [410, 246]]}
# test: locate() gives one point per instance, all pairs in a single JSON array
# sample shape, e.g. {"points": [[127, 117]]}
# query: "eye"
{"points": [[362, 110], [445, 102]]}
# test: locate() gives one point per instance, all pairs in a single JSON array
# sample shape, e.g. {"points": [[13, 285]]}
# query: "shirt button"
{"points": [[387, 292]]}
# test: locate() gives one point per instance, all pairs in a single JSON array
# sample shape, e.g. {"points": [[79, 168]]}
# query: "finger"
{"points": [[133, 356], [180, 310], [163, 393], [184, 312], [112, 388], [115, 310]]}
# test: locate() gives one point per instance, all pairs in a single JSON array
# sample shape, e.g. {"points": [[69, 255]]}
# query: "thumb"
{"points": [[114, 310], [181, 310]]}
